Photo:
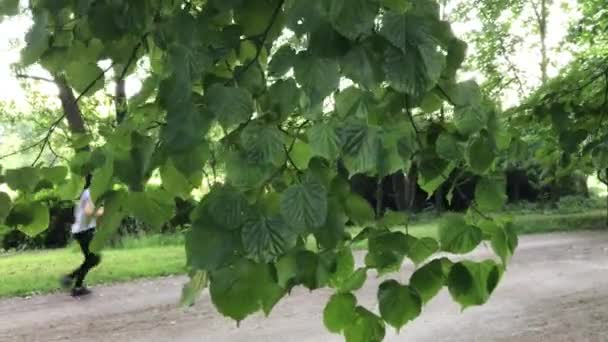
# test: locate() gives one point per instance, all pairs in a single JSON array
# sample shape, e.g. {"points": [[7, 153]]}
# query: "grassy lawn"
{"points": [[35, 272], [38, 272]]}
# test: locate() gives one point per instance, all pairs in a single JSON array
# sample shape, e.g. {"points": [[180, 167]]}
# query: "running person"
{"points": [[83, 230]]}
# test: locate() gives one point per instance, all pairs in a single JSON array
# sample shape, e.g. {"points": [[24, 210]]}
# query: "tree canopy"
{"points": [[263, 100]]}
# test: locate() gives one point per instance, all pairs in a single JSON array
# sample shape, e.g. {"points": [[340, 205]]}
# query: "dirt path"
{"points": [[556, 289]]}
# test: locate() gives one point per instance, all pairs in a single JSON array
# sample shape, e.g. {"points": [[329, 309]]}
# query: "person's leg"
{"points": [[91, 260], [68, 280]]}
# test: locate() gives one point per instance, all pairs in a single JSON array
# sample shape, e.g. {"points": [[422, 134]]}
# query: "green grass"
{"points": [[38, 272], [26, 273]]}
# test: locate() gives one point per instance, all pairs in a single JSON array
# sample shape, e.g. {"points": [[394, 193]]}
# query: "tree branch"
{"points": [[239, 73], [36, 78], [56, 123]]}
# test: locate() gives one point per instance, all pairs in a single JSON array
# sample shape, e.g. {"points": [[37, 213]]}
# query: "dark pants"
{"points": [[90, 259]]}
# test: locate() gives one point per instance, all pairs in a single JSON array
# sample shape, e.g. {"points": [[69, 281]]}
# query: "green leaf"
{"points": [[263, 143], [153, 207], [324, 141], [398, 304], [428, 280], [101, 181], [339, 312], [421, 249], [287, 270], [431, 102], [282, 61], [245, 174], [504, 242], [9, 7], [415, 65], [359, 210], [311, 272], [5, 206], [131, 164], [115, 205], [471, 283], [255, 16], [209, 247], [392, 219], [24, 179], [192, 290], [82, 75], [326, 42], [37, 39], [318, 76], [449, 148], [284, 97], [351, 102], [63, 39], [490, 194], [456, 236], [305, 205], [300, 154], [345, 265], [355, 281], [333, 232], [265, 239], [30, 218], [362, 66], [387, 250], [56, 174], [231, 106], [469, 114], [457, 51], [367, 327], [242, 289], [362, 146], [354, 18], [398, 6], [71, 189], [480, 154], [174, 181], [228, 207]]}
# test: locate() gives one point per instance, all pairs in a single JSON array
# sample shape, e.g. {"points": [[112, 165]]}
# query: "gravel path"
{"points": [[556, 289]]}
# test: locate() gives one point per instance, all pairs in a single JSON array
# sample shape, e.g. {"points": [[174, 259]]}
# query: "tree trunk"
{"points": [[542, 27], [398, 183], [439, 196], [120, 101], [70, 106], [379, 195], [411, 178]]}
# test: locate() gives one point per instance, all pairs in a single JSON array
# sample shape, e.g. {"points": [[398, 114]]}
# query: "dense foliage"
{"points": [[269, 96]]}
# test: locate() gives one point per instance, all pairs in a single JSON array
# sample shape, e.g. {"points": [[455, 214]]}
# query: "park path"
{"points": [[556, 289]]}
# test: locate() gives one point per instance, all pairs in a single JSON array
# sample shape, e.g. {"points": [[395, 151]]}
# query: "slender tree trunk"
{"points": [[398, 183], [379, 195], [70, 106], [542, 15], [120, 101], [410, 187], [439, 197]]}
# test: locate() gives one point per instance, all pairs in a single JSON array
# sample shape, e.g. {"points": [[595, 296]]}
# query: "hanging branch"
{"points": [[35, 78], [239, 73], [56, 123], [21, 150]]}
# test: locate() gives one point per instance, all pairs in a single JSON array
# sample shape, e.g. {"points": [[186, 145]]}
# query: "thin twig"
{"points": [[36, 78], [133, 56], [263, 36], [21, 150]]}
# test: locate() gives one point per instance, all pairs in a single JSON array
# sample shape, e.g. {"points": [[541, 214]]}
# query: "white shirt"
{"points": [[81, 221]]}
